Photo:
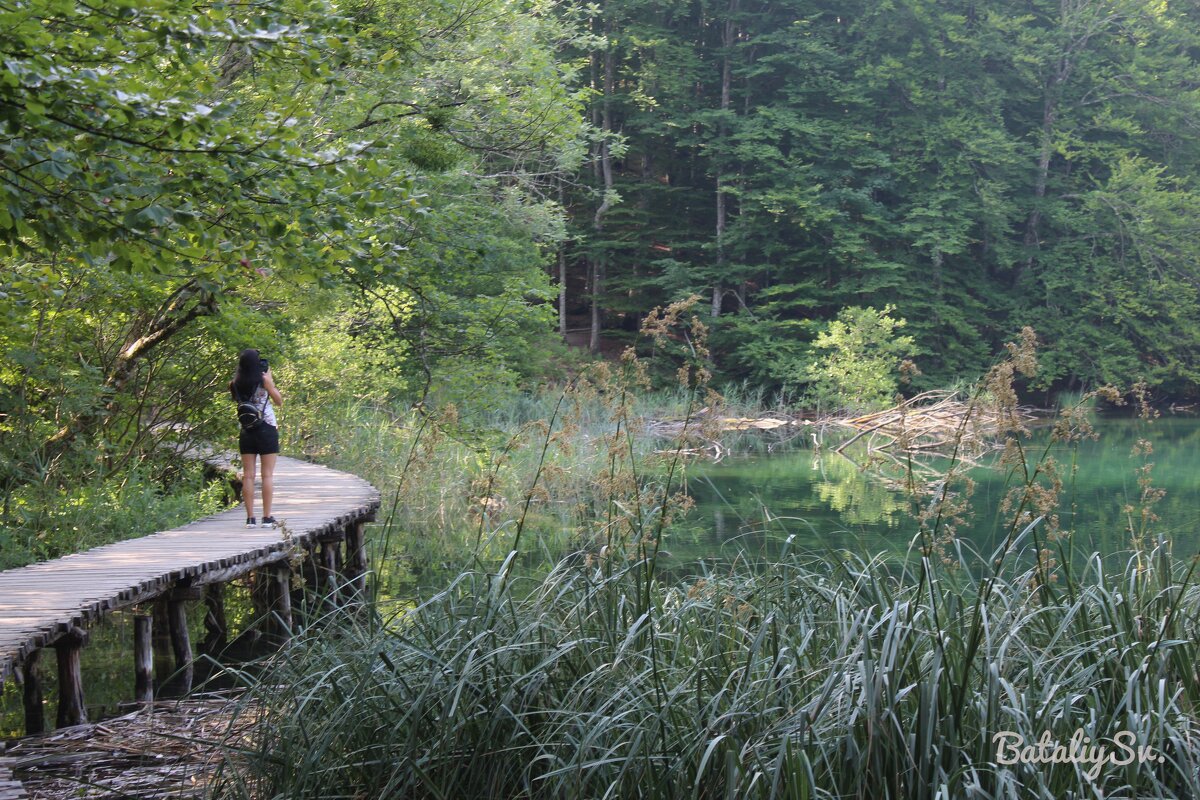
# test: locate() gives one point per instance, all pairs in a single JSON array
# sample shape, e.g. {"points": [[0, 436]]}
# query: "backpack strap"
{"points": [[250, 399]]}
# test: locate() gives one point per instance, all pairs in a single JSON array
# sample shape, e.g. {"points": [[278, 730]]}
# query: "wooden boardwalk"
{"points": [[47, 603]]}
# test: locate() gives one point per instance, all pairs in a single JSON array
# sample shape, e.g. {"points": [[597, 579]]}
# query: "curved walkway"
{"points": [[43, 602]]}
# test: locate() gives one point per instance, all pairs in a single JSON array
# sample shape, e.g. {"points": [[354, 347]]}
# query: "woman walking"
{"points": [[253, 389]]}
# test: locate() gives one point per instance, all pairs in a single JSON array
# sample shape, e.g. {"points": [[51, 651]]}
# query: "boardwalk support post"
{"points": [[35, 718], [329, 569], [215, 626], [261, 598], [71, 710], [143, 659], [356, 558], [181, 644], [161, 637], [282, 597], [312, 570]]}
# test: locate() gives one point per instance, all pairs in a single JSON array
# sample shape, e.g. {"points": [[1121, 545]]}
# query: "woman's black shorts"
{"points": [[261, 440]]}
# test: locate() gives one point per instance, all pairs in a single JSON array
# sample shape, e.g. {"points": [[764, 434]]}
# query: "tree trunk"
{"points": [[1079, 29], [606, 175], [1033, 222], [562, 273], [727, 39], [595, 280]]}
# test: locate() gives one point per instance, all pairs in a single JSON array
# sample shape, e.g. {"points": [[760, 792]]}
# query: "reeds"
{"points": [[799, 677], [789, 679]]}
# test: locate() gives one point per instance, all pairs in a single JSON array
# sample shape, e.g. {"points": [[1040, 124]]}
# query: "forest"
{"points": [[525, 264], [979, 166]]}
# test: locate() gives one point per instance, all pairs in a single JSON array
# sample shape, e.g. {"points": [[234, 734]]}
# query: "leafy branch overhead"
{"points": [[193, 140], [185, 167]]}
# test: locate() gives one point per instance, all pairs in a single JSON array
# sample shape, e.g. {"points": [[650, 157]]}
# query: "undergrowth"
{"points": [[49, 521]]}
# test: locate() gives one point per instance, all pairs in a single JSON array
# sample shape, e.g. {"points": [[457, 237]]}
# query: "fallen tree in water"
{"points": [[700, 435], [936, 421]]}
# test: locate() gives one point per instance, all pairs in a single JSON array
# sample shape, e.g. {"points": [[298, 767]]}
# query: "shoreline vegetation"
{"points": [[602, 675], [787, 679]]}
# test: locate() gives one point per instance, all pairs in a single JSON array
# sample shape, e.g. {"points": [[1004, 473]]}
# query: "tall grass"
{"points": [[799, 677], [790, 679]]}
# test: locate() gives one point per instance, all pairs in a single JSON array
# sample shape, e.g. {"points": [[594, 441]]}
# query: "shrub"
{"points": [[862, 354]]}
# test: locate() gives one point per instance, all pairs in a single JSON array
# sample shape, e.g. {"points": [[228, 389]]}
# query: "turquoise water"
{"points": [[773, 487]]}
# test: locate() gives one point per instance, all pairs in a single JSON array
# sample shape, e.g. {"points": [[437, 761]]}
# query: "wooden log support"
{"points": [[160, 638], [71, 710], [262, 596], [356, 558], [329, 568], [216, 626], [35, 717], [181, 644], [143, 659], [312, 570], [282, 597]]}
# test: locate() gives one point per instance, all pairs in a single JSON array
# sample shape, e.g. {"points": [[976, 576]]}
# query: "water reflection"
{"points": [[769, 489], [861, 495]]}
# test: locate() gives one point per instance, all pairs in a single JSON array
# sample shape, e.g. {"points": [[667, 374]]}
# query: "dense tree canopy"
{"points": [[980, 166], [181, 180]]}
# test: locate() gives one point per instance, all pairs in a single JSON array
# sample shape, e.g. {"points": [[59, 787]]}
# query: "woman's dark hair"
{"points": [[248, 377]]}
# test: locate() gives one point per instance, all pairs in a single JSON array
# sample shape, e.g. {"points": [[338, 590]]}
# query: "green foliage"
{"points": [[43, 522], [358, 190], [821, 679], [980, 169], [136, 140], [861, 354]]}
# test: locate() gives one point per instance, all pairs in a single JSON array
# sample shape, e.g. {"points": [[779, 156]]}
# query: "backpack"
{"points": [[249, 414]]}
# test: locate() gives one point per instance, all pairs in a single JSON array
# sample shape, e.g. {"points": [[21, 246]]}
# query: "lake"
{"points": [[771, 487]]}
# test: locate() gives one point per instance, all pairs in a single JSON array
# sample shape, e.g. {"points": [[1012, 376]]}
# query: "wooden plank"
{"points": [[42, 602]]}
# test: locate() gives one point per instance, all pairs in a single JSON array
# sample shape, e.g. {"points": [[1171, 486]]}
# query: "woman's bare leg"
{"points": [[268, 482], [248, 482]]}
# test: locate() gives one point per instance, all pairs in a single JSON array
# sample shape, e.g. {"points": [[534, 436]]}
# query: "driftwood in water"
{"points": [[934, 421], [707, 420]]}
